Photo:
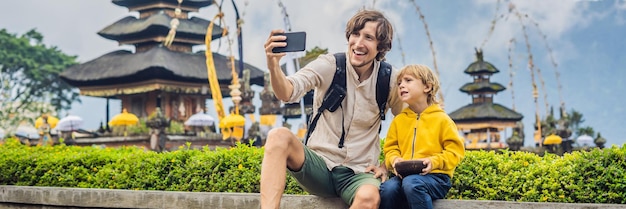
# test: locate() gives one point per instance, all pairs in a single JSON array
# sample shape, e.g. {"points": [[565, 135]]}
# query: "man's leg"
{"points": [[282, 150], [367, 196], [358, 190]]}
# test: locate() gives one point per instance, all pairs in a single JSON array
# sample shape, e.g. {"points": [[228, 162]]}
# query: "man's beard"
{"points": [[363, 64]]}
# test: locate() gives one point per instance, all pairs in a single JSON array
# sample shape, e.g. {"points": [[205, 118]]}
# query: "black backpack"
{"points": [[337, 91]]}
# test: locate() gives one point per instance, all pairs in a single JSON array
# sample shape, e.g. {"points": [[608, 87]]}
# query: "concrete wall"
{"points": [[55, 198]]}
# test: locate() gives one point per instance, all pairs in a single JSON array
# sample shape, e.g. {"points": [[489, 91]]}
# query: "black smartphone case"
{"points": [[296, 41]]}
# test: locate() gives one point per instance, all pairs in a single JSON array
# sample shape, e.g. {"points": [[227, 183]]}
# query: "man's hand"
{"points": [[282, 87], [272, 42], [378, 171]]}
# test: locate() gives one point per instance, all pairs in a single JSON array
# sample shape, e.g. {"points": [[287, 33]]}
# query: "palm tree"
{"points": [[575, 119], [587, 130]]}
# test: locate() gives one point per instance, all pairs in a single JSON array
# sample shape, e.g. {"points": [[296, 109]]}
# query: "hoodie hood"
{"points": [[434, 108]]}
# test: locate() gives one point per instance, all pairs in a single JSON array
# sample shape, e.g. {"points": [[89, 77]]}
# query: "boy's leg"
{"points": [[282, 150], [421, 190], [357, 190], [391, 194]]}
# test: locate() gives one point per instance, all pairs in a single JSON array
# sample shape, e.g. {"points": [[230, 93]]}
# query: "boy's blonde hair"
{"points": [[424, 73]]}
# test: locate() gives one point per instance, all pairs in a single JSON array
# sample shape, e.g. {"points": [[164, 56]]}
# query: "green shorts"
{"points": [[315, 178]]}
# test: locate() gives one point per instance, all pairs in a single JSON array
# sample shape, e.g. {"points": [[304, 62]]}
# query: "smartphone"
{"points": [[296, 41]]}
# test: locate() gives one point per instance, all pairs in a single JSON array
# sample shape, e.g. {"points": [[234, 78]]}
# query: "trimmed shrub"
{"points": [[595, 176]]}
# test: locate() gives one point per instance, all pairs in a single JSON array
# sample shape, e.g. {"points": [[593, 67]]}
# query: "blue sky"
{"points": [[583, 37]]}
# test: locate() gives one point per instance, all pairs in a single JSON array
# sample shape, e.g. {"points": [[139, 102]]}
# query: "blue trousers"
{"points": [[414, 191]]}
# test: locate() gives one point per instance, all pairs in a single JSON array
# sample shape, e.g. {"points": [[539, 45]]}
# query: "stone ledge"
{"points": [[55, 197]]}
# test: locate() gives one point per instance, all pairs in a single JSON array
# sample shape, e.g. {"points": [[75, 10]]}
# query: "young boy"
{"points": [[422, 131]]}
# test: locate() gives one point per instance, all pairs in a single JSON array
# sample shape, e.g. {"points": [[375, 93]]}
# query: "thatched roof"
{"points": [[482, 87], [485, 112], [185, 3], [123, 67], [480, 66], [131, 28]]}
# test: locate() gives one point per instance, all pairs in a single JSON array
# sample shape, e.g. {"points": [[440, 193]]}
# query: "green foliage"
{"points": [[175, 128], [575, 119], [142, 129], [29, 78], [311, 55], [139, 129], [595, 176], [221, 170], [587, 130]]}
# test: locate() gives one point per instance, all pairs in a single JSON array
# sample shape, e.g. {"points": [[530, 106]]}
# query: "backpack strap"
{"points": [[338, 79], [382, 88], [382, 83], [382, 93], [340, 74]]}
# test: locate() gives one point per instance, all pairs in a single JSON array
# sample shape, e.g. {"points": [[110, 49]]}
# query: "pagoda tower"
{"points": [[161, 72], [483, 121]]}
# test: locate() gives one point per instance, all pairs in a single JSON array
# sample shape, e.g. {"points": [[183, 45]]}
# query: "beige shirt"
{"points": [[358, 112]]}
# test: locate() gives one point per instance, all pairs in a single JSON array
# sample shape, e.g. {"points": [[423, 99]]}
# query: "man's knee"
{"points": [[278, 137], [367, 196], [282, 142]]}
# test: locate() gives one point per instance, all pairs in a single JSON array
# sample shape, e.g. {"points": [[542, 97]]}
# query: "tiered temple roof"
{"points": [[153, 66], [482, 112], [131, 30], [140, 5], [116, 71]]}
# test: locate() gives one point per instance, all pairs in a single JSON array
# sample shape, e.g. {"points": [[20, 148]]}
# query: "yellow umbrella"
{"points": [[51, 120], [232, 120], [124, 118], [553, 139]]}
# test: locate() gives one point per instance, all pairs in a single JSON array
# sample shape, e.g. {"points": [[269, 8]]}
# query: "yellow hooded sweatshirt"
{"points": [[431, 134]]}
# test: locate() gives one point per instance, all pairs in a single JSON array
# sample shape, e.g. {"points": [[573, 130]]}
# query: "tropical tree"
{"points": [[587, 130], [575, 119], [29, 78], [312, 55]]}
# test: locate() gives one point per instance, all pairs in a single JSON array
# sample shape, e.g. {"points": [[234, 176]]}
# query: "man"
{"points": [[323, 168]]}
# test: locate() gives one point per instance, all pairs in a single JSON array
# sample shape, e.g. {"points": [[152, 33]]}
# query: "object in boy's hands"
{"points": [[408, 167]]}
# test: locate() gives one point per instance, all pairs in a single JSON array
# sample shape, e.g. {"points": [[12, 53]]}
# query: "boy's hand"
{"points": [[397, 160], [428, 164]]}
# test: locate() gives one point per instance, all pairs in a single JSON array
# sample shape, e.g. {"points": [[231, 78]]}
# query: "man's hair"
{"points": [[384, 30], [426, 75]]}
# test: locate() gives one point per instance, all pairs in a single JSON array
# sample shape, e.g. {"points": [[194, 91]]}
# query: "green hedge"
{"points": [[597, 176], [220, 170]]}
